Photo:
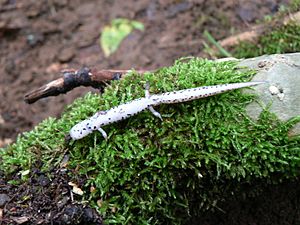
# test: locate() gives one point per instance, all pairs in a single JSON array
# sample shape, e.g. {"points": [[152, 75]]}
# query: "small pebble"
{"points": [[4, 198], [274, 90], [66, 54]]}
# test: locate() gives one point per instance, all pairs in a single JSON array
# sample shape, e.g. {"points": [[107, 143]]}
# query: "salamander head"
{"points": [[81, 130]]}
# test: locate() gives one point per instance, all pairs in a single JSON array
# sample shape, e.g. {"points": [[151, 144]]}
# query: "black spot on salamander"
{"points": [[90, 128], [109, 118], [84, 128], [95, 127]]}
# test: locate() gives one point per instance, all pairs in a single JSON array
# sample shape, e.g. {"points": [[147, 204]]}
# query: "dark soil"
{"points": [[40, 38], [258, 204], [45, 199]]}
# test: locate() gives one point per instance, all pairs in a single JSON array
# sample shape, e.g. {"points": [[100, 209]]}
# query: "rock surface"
{"points": [[282, 72]]}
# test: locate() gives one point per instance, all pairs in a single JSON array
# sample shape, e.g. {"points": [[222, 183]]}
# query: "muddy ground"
{"points": [[40, 38]]}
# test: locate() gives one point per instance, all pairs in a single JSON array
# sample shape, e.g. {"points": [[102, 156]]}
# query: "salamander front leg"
{"points": [[147, 95], [103, 133], [155, 113]]}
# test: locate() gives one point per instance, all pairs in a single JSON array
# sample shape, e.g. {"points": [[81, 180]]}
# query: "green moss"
{"points": [[283, 39], [294, 6], [152, 172]]}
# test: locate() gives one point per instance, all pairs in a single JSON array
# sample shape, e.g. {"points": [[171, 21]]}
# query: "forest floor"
{"points": [[38, 39]]}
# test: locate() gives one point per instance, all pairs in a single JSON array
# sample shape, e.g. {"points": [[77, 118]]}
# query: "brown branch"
{"points": [[251, 34], [75, 78]]}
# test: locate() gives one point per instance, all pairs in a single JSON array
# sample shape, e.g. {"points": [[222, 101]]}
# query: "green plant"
{"points": [[112, 36], [211, 39], [152, 172]]}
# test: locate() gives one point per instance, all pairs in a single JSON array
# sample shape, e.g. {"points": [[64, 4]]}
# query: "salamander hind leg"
{"points": [[154, 112], [104, 134]]}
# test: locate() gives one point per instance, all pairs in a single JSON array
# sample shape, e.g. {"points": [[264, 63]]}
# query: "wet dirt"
{"points": [[40, 38]]}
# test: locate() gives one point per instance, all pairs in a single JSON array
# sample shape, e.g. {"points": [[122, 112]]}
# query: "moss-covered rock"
{"points": [[150, 171]]}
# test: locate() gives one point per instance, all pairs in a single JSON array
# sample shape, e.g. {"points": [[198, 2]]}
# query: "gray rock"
{"points": [[282, 72]]}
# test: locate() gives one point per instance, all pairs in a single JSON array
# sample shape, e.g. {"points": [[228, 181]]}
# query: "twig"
{"points": [[255, 31], [249, 35], [75, 78]]}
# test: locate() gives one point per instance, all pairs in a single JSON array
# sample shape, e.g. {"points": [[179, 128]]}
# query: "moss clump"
{"points": [[294, 6], [283, 39], [152, 172]]}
